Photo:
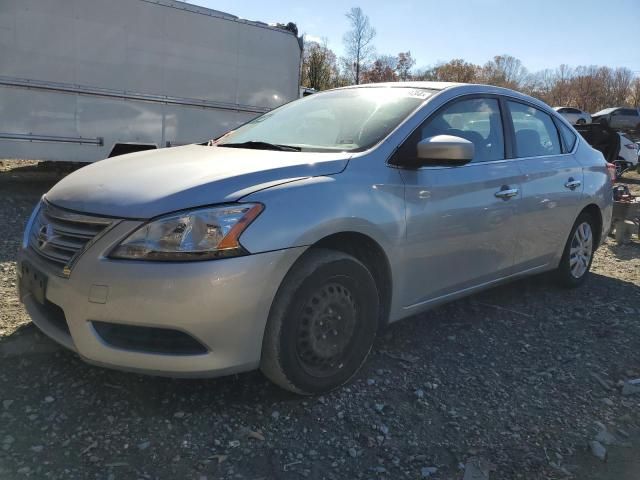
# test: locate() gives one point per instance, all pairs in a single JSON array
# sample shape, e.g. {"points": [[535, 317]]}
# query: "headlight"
{"points": [[191, 235]]}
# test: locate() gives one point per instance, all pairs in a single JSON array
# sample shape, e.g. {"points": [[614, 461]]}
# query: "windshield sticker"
{"points": [[419, 93]]}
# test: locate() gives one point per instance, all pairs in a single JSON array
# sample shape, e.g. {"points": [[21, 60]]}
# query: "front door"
{"points": [[460, 220]]}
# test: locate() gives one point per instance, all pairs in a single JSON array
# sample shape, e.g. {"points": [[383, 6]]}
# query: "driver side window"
{"points": [[476, 119], [536, 134]]}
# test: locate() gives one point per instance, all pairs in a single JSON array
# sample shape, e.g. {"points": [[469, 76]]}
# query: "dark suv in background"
{"points": [[626, 118]]}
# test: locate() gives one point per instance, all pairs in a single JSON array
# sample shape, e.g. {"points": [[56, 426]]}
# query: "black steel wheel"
{"points": [[322, 323]]}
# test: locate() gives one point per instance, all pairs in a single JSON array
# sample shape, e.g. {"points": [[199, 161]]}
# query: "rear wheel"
{"points": [[322, 323], [578, 252]]}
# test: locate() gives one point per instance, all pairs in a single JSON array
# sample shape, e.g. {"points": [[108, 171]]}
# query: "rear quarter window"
{"points": [[569, 138]]}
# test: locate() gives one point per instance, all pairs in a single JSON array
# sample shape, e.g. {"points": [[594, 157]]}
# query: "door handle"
{"points": [[572, 184], [506, 193]]}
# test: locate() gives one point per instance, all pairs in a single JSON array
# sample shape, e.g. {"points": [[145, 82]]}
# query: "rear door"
{"points": [[551, 185], [460, 220]]}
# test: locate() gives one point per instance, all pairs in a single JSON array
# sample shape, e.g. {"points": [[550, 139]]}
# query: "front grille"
{"points": [[59, 236]]}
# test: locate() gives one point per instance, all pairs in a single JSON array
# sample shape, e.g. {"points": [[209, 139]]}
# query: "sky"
{"points": [[541, 33]]}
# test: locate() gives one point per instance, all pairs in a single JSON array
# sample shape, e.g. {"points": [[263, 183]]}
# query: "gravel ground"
{"points": [[511, 383]]}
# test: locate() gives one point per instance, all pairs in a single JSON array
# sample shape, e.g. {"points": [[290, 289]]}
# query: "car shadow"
{"points": [[400, 345]]}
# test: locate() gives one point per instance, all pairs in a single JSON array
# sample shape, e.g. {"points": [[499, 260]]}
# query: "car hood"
{"points": [[147, 184]]}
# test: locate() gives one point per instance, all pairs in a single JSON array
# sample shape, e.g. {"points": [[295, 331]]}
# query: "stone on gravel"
{"points": [[144, 445], [606, 438], [597, 449], [6, 404], [426, 472]]}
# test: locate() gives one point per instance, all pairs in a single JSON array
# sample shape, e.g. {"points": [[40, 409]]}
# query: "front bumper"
{"points": [[223, 304]]}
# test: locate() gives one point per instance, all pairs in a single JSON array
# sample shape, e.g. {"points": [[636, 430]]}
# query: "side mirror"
{"points": [[446, 150]]}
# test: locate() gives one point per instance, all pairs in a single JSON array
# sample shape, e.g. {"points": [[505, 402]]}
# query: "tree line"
{"points": [[590, 88]]}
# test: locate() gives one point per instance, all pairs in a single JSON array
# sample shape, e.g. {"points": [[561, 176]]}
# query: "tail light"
{"points": [[611, 168]]}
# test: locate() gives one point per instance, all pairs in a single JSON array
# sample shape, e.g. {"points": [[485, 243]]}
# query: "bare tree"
{"points": [[634, 93], [504, 71], [319, 69], [404, 65], [382, 70], [456, 70], [358, 42]]}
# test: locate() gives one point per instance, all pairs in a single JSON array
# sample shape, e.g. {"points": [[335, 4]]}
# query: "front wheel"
{"points": [[322, 323], [578, 253]]}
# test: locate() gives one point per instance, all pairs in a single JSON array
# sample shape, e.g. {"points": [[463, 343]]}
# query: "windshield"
{"points": [[340, 120]]}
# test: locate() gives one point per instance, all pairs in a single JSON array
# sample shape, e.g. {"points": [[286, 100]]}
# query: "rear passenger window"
{"points": [[477, 120], [568, 138], [536, 134]]}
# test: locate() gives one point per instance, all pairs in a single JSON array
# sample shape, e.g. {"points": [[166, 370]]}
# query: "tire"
{"points": [[567, 274], [326, 292]]}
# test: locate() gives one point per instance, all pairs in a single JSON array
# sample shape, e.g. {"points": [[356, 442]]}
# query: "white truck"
{"points": [[82, 80]]}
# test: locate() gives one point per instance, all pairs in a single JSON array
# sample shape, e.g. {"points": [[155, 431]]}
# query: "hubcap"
{"points": [[326, 330], [581, 250]]}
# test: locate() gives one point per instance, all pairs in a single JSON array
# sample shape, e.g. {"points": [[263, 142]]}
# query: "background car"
{"points": [[574, 115], [627, 156], [618, 117]]}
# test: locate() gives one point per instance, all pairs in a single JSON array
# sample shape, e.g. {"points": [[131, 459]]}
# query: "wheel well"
{"points": [[371, 254], [594, 211], [124, 148]]}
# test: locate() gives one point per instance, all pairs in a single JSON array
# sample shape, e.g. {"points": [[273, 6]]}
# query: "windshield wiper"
{"points": [[261, 146]]}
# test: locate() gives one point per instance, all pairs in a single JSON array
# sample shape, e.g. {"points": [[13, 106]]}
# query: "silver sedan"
{"points": [[288, 243]]}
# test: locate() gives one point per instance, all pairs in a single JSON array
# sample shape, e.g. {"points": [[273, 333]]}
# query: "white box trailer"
{"points": [[81, 80]]}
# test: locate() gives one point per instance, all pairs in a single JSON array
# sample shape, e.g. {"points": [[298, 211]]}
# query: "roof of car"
{"points": [[606, 110], [429, 85], [461, 88]]}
